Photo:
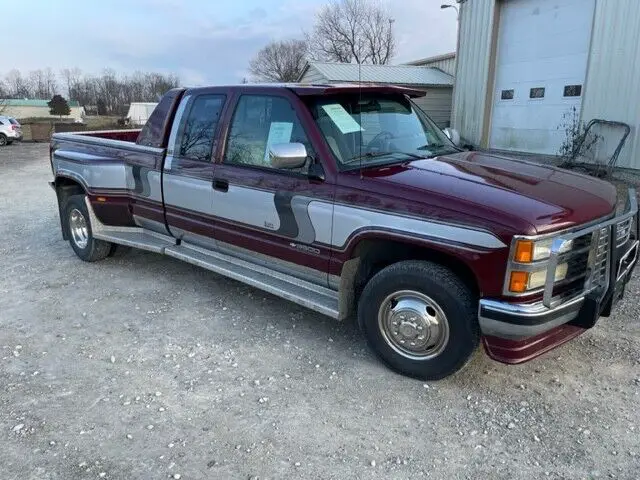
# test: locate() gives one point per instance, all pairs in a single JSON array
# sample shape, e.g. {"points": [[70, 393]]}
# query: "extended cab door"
{"points": [[189, 165], [262, 213]]}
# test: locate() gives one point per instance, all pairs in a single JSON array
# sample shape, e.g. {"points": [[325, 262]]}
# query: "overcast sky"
{"points": [[202, 41]]}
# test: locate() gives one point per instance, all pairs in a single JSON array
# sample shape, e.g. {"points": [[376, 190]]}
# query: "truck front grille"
{"points": [[623, 231], [578, 263], [600, 270]]}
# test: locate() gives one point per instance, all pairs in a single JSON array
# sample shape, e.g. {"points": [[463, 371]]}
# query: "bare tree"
{"points": [[18, 86], [43, 83], [4, 93], [281, 61], [71, 78], [359, 31], [50, 83]]}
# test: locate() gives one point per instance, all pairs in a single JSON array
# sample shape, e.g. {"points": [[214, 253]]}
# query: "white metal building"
{"points": [[437, 84], [139, 112], [522, 64], [446, 62]]}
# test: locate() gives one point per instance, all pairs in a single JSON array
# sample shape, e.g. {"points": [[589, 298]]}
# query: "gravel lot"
{"points": [[142, 367]]}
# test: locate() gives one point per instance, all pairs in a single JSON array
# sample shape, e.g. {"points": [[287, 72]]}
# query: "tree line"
{"points": [[345, 31], [107, 92]]}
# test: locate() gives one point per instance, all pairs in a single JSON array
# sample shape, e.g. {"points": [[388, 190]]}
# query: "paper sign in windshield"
{"points": [[341, 118], [279, 132]]}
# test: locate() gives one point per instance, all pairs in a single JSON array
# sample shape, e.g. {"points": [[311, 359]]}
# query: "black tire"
{"points": [[3, 139], [118, 250], [81, 239], [448, 293]]}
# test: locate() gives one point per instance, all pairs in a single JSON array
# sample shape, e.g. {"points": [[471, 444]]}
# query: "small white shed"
{"points": [[437, 84], [139, 112]]}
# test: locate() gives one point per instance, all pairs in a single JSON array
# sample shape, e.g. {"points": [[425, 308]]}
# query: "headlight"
{"points": [[520, 281], [528, 266], [527, 251], [537, 279]]}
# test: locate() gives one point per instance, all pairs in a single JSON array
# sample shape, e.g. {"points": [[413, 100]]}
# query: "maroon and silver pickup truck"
{"points": [[350, 201]]}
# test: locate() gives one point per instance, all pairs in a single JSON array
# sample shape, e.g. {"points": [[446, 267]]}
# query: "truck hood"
{"points": [[546, 197]]}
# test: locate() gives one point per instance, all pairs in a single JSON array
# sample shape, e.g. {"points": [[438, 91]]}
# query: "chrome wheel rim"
{"points": [[3, 141], [78, 228], [413, 324]]}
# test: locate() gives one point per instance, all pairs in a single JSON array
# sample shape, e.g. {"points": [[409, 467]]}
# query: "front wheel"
{"points": [[78, 228], [420, 319], [3, 139]]}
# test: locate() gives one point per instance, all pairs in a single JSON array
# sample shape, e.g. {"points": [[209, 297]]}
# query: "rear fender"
{"points": [[65, 187]]}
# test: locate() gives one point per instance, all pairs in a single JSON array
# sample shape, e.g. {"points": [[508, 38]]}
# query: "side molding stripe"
{"points": [[347, 220]]}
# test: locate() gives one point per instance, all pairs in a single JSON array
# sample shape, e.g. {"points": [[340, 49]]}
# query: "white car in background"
{"points": [[10, 130]]}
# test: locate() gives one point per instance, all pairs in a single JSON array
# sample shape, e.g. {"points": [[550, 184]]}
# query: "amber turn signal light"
{"points": [[518, 282], [524, 251]]}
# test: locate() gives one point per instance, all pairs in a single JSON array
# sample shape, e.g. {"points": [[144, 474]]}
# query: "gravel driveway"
{"points": [[142, 367]]}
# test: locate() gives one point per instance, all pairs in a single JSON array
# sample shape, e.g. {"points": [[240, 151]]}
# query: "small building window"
{"points": [[506, 95], [572, 90], [537, 92]]}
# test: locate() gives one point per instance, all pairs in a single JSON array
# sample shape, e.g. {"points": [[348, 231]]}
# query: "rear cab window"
{"points": [[155, 131], [198, 127]]}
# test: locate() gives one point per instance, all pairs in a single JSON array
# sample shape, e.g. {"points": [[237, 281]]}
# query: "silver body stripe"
{"points": [[347, 220], [320, 214], [79, 156], [98, 175], [188, 193], [247, 206], [155, 187], [110, 175]]}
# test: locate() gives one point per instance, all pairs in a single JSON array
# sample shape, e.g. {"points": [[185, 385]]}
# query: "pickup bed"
{"points": [[350, 201]]}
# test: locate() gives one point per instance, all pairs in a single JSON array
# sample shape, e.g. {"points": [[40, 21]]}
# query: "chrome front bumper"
{"points": [[517, 321]]}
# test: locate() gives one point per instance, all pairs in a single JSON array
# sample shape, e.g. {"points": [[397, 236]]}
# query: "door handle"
{"points": [[220, 184]]}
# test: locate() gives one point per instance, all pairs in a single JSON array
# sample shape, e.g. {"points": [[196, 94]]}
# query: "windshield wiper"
{"points": [[437, 146], [430, 146], [380, 154]]}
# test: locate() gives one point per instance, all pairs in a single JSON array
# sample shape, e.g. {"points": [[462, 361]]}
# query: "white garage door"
{"points": [[541, 65]]}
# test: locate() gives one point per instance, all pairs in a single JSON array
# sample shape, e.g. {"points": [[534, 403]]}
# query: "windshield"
{"points": [[376, 129]]}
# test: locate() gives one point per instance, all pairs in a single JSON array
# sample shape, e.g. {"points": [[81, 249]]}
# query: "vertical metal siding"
{"points": [[473, 68], [612, 89], [448, 65]]}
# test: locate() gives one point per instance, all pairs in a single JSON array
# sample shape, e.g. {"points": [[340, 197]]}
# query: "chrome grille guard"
{"points": [[608, 228]]}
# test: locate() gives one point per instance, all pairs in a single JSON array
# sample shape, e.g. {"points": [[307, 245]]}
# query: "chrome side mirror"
{"points": [[453, 135], [287, 155]]}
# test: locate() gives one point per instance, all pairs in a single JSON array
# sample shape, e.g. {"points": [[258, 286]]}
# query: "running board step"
{"points": [[142, 240], [293, 289]]}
